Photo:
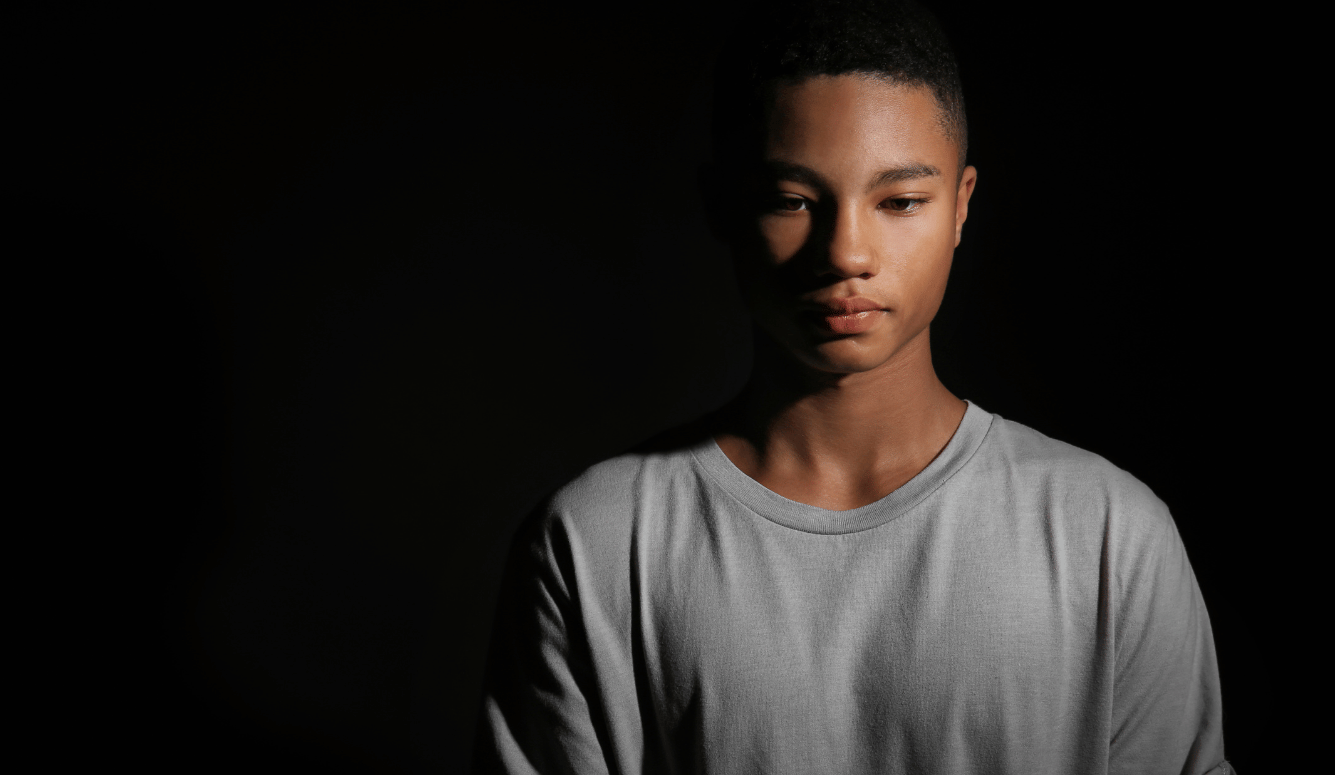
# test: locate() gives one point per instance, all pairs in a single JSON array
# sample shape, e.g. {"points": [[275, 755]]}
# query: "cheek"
{"points": [[936, 269], [782, 237], [921, 263]]}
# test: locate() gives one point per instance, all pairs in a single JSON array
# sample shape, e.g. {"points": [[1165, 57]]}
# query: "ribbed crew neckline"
{"points": [[812, 519]]}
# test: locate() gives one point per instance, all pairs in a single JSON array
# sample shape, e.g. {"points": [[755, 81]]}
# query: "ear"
{"points": [[967, 181]]}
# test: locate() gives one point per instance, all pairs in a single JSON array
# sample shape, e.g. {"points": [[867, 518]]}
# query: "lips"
{"points": [[845, 316], [850, 306]]}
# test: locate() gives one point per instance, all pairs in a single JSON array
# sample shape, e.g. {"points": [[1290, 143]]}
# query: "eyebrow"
{"points": [[783, 170], [911, 171]]}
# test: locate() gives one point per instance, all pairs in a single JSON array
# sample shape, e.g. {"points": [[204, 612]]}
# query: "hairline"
{"points": [[767, 91]]}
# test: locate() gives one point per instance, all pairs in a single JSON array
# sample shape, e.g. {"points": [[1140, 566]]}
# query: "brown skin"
{"points": [[830, 420]]}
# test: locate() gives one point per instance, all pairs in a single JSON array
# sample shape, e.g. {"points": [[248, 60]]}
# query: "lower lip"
{"points": [[849, 324]]}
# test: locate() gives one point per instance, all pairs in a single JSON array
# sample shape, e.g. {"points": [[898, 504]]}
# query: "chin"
{"points": [[845, 356]]}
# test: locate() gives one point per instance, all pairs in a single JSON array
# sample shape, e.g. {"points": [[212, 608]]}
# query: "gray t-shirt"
{"points": [[1020, 606]]}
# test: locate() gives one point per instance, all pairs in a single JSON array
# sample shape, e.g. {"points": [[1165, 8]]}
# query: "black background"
{"points": [[326, 301]]}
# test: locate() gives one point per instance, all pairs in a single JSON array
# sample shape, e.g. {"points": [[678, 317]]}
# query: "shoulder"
{"points": [[615, 483], [1073, 479], [602, 503]]}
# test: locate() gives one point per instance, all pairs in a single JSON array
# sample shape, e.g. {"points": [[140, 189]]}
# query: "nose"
{"points": [[849, 250]]}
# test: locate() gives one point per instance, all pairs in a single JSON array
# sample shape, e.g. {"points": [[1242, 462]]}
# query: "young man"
{"points": [[848, 569]]}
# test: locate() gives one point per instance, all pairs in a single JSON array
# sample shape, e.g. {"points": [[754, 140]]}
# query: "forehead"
{"points": [[855, 121]]}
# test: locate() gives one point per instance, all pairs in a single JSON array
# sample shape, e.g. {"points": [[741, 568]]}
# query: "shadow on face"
{"points": [[844, 228]]}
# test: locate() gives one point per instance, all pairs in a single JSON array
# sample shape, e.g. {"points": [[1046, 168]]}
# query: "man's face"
{"points": [[857, 213]]}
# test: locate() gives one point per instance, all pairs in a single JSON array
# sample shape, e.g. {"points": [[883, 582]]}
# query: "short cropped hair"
{"points": [[783, 40]]}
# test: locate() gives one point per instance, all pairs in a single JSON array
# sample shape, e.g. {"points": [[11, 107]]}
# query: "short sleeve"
{"points": [[1167, 714], [536, 715]]}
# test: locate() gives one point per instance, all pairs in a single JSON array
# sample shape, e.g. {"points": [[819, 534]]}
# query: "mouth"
{"points": [[844, 316], [844, 323]]}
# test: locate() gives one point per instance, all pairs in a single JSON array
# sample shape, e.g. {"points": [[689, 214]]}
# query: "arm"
{"points": [[536, 715], [1167, 715]]}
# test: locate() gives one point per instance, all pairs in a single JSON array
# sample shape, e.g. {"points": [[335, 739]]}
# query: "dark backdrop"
{"points": [[335, 297]]}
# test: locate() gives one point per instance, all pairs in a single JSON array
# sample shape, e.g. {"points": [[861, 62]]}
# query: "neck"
{"points": [[839, 438]]}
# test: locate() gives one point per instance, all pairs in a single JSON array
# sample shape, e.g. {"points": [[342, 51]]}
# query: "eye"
{"points": [[790, 204], [901, 204]]}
